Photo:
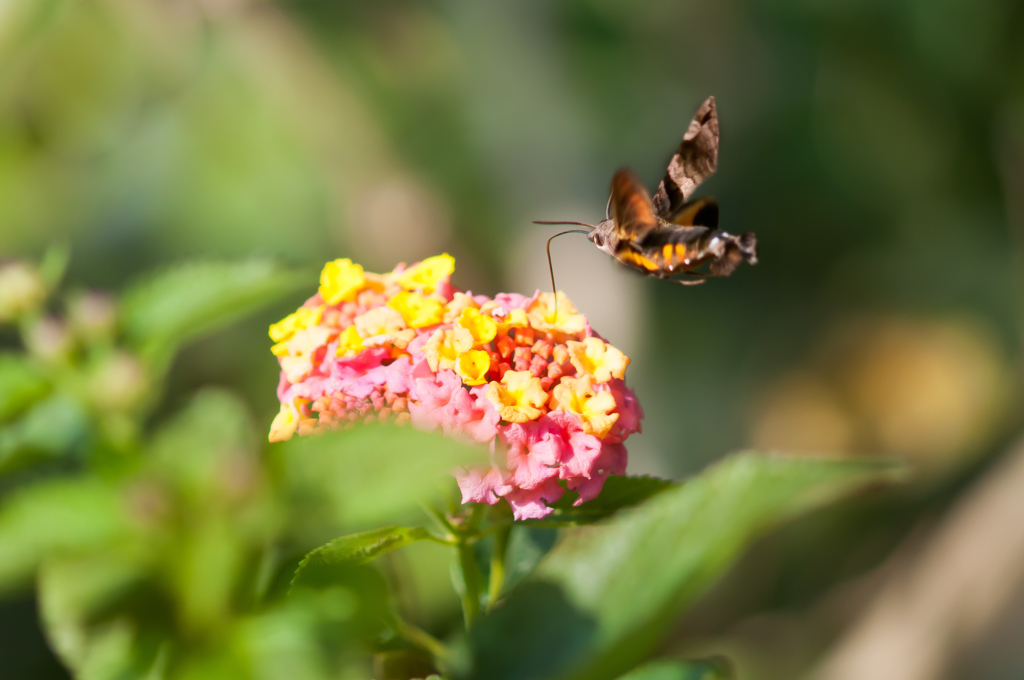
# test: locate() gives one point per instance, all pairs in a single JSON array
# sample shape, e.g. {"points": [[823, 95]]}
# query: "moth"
{"points": [[672, 236]]}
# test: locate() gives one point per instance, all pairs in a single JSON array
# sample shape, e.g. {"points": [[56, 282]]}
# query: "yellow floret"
{"points": [[297, 321], [286, 422], [340, 280], [459, 302], [543, 316], [482, 328], [598, 359], [577, 395], [426, 275], [417, 310], [444, 347], [472, 366], [519, 396], [349, 342]]}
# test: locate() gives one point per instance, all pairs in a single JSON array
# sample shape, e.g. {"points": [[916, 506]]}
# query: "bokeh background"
{"points": [[876, 149]]}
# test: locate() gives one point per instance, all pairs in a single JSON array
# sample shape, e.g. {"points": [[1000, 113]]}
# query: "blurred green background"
{"points": [[876, 149]]}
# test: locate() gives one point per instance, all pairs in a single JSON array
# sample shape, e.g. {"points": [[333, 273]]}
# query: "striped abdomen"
{"points": [[668, 251]]}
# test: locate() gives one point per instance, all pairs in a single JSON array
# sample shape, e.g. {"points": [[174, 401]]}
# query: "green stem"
{"points": [[418, 637], [497, 578], [493, 529], [469, 572], [471, 583], [439, 517], [443, 540]]}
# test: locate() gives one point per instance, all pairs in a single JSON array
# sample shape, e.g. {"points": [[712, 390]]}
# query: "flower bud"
{"points": [[92, 316], [21, 290], [49, 339], [118, 383]]}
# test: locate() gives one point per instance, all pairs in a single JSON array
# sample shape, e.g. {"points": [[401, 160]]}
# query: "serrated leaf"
{"points": [[371, 472], [617, 493], [163, 311], [355, 549], [21, 385], [603, 599]]}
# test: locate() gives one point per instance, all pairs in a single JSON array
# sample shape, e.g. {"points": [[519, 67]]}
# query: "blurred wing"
{"points": [[700, 212], [630, 207], [694, 161]]}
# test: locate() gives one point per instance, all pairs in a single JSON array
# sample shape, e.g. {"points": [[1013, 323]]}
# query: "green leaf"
{"points": [[617, 493], [190, 448], [51, 428], [602, 600], [283, 642], [76, 599], [370, 473], [162, 312], [681, 670], [21, 385], [527, 545], [208, 458], [355, 596], [109, 654], [355, 549], [51, 518], [54, 264]]}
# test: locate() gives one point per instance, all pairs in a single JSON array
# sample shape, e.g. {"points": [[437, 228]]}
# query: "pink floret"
{"points": [[533, 503], [611, 461], [441, 401], [628, 408], [482, 485], [534, 452], [512, 301]]}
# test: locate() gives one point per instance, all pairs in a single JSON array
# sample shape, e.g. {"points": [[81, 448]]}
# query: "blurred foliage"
{"points": [[877, 150], [181, 547]]}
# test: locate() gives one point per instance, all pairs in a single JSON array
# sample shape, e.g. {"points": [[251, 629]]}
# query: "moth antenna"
{"points": [[551, 267], [578, 224]]}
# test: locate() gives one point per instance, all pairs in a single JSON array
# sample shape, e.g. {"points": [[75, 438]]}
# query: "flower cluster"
{"points": [[526, 375]]}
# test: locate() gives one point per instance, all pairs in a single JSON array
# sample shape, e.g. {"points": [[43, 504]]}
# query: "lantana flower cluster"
{"points": [[526, 375]]}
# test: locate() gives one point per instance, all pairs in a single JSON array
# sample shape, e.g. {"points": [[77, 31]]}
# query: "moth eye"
{"points": [[598, 240]]}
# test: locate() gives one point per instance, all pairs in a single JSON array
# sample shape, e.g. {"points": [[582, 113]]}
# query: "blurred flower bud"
{"points": [[49, 339], [92, 316], [801, 413], [118, 383], [928, 388], [239, 477], [148, 502], [21, 290]]}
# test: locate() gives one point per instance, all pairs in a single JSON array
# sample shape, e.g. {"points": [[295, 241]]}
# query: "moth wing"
{"points": [[630, 207], [694, 161], [700, 212]]}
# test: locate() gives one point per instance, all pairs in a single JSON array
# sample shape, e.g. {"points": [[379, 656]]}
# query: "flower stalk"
{"points": [[496, 579], [468, 571]]}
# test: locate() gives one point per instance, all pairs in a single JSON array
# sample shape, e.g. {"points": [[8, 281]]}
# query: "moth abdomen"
{"points": [[676, 250]]}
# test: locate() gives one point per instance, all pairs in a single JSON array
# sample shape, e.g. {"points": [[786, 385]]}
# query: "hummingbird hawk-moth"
{"points": [[673, 236]]}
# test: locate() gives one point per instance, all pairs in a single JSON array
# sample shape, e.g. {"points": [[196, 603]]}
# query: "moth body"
{"points": [[673, 236]]}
